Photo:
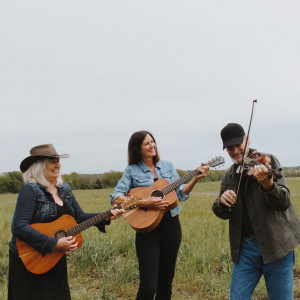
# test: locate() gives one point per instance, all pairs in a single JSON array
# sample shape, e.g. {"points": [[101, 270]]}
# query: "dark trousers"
{"points": [[23, 285], [157, 254]]}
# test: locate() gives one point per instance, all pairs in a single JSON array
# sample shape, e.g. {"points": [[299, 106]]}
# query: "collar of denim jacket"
{"points": [[145, 168]]}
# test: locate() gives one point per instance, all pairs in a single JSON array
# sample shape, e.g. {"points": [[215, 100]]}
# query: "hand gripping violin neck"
{"points": [[257, 158]]}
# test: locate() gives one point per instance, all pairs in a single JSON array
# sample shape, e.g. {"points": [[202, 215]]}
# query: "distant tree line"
{"points": [[291, 171], [92, 181], [12, 182], [213, 175]]}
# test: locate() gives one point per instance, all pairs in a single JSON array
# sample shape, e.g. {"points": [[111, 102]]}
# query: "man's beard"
{"points": [[240, 160]]}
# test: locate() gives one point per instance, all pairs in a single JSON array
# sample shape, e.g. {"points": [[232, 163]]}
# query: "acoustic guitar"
{"points": [[64, 226], [147, 219]]}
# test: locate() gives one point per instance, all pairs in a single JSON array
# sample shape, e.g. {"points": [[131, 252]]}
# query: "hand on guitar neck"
{"points": [[203, 172], [68, 244]]}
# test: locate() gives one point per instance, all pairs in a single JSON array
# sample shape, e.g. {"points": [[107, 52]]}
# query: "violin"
{"points": [[256, 158], [253, 159]]}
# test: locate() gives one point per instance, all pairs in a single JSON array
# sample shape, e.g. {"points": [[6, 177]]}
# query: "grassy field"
{"points": [[106, 266]]}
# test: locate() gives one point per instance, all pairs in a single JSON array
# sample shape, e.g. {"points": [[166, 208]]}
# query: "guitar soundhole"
{"points": [[60, 234], [157, 193]]}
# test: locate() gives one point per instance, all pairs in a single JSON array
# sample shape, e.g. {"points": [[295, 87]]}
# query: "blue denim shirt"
{"points": [[35, 204], [141, 176]]}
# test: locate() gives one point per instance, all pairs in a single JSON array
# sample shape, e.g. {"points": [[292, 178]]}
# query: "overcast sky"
{"points": [[85, 75]]}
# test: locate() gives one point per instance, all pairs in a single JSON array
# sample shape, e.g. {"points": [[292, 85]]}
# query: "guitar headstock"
{"points": [[219, 160], [130, 202]]}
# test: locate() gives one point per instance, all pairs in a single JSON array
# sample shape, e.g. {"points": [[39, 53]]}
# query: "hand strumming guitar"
{"points": [[156, 202], [66, 244]]}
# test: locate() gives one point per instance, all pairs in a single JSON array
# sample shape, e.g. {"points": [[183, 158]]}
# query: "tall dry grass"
{"points": [[106, 266]]}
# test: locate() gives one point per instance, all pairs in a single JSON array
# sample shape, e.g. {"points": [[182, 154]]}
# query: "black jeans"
{"points": [[157, 254]]}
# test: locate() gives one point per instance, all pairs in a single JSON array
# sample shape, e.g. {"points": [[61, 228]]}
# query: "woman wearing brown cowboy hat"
{"points": [[43, 199]]}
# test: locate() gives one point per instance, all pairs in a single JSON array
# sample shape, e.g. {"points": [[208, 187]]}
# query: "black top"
{"points": [[63, 210], [247, 229]]}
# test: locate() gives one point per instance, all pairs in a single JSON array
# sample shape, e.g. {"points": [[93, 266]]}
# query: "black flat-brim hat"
{"points": [[232, 134], [40, 152]]}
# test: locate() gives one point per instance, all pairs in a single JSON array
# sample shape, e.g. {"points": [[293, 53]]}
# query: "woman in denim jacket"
{"points": [[43, 198], [156, 250]]}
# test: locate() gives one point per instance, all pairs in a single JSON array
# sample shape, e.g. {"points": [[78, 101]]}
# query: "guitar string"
{"points": [[90, 222], [212, 163]]}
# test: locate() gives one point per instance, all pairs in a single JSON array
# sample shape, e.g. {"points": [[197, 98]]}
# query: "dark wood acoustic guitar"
{"points": [[146, 219], [64, 226]]}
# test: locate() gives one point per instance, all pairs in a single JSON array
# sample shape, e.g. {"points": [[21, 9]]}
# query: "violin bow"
{"points": [[238, 183]]}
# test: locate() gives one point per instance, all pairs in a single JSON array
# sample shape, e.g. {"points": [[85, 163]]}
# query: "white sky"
{"points": [[84, 75]]}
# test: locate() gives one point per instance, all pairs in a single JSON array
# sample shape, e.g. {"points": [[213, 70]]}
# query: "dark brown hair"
{"points": [[134, 147]]}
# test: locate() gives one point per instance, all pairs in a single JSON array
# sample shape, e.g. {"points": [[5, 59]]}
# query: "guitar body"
{"points": [[33, 260], [146, 219]]}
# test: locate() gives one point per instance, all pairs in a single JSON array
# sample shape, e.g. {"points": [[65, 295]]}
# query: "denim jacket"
{"points": [[35, 204], [141, 176]]}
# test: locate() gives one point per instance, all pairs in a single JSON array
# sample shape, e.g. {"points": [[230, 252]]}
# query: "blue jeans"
{"points": [[247, 272]]}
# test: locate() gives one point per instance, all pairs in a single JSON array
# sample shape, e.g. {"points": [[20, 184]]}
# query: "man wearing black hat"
{"points": [[264, 228]]}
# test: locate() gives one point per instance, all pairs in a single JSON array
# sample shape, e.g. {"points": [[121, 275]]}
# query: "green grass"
{"points": [[105, 267]]}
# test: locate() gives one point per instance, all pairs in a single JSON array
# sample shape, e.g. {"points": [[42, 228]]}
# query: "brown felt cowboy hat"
{"points": [[40, 152]]}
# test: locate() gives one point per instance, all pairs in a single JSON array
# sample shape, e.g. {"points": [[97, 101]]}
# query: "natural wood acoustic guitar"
{"points": [[147, 219], [64, 226]]}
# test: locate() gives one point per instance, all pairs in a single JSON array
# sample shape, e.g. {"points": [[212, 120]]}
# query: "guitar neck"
{"points": [[88, 223], [212, 163], [174, 185]]}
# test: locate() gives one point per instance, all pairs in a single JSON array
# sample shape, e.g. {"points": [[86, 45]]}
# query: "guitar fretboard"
{"points": [[212, 163], [88, 223], [174, 185]]}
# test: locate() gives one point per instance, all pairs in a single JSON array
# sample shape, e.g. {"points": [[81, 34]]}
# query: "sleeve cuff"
{"points": [[101, 226], [114, 196], [183, 196], [49, 245], [269, 190]]}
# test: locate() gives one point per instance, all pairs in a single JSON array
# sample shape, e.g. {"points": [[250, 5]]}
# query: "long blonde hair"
{"points": [[37, 173]]}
